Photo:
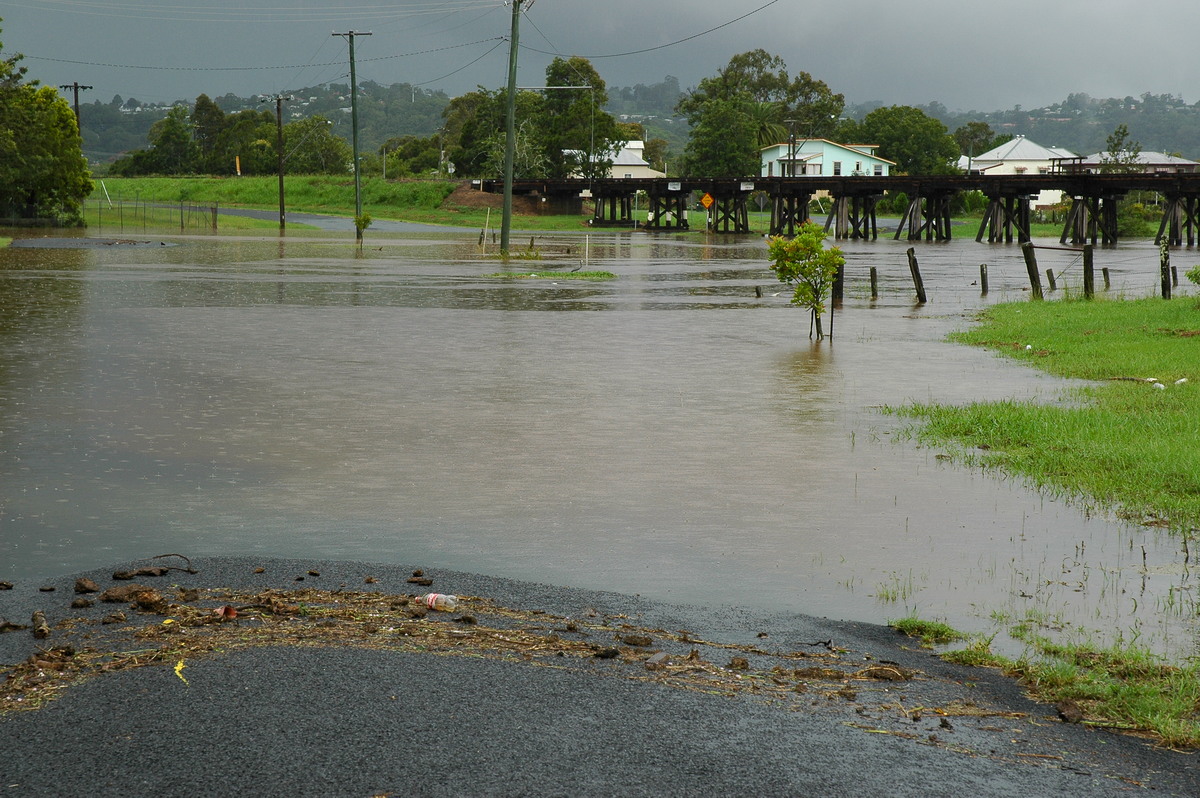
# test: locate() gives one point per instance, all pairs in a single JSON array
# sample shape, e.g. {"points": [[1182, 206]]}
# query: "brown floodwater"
{"points": [[668, 433]]}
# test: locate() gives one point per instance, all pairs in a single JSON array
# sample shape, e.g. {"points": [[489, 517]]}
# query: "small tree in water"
{"points": [[804, 262]]}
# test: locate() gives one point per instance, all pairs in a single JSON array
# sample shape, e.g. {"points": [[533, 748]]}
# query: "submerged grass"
{"points": [[1130, 443], [1122, 688]]}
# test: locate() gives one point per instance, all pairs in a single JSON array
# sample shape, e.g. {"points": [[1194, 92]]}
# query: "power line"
{"points": [[668, 44], [259, 68]]}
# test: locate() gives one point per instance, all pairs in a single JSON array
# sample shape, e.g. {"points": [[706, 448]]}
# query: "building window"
{"points": [[837, 167], [858, 167], [879, 170]]}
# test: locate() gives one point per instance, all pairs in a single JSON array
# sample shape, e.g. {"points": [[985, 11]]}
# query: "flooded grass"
{"points": [[1121, 688], [1128, 444]]}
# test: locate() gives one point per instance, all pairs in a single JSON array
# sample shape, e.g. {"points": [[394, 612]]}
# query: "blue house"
{"points": [[808, 157]]}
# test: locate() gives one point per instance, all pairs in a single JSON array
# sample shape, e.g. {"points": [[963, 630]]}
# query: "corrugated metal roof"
{"points": [[1022, 149]]}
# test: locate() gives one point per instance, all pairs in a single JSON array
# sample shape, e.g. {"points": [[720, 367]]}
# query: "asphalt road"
{"points": [[345, 720]]}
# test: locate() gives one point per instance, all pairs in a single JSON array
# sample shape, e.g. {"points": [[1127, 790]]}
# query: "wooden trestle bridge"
{"points": [[1092, 217]]}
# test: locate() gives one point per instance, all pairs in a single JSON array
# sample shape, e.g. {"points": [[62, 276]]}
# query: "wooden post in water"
{"points": [[983, 283], [1104, 273], [1050, 281], [1035, 280], [918, 283], [874, 283], [1089, 273], [838, 284], [1164, 267]]}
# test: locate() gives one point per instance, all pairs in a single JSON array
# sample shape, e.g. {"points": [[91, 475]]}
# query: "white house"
{"points": [[630, 162], [627, 160], [1020, 156], [808, 157]]}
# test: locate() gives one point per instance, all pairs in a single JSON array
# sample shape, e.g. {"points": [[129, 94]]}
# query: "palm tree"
{"points": [[768, 125]]}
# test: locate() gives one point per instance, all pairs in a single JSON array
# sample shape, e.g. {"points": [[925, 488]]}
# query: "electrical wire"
{"points": [[260, 68], [662, 46]]}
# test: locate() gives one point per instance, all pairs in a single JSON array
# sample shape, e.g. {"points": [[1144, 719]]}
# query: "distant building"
{"points": [[627, 160], [823, 157], [1020, 156], [1151, 163], [630, 162]]}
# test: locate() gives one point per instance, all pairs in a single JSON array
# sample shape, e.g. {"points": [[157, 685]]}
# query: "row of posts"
{"points": [[1169, 275]]}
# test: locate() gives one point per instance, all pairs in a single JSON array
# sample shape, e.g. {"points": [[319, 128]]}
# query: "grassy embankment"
{"points": [[409, 201], [1123, 445]]}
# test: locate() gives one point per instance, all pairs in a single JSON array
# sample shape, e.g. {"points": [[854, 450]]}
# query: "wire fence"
{"points": [[122, 215]]}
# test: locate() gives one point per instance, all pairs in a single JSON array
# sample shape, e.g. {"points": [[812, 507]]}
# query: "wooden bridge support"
{"points": [[729, 212], [613, 209], [854, 215], [789, 210], [668, 210], [1091, 217], [928, 216], [1182, 213], [1003, 215]]}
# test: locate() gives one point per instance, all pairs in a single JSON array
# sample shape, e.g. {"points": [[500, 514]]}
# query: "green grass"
{"points": [[1121, 445], [398, 200], [931, 633], [1126, 689]]}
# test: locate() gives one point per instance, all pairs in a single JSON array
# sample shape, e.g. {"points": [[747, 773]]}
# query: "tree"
{"points": [[208, 121], [919, 144], [975, 138], [759, 76], [173, 150], [1120, 155], [577, 136], [311, 148], [42, 169], [722, 143], [804, 262], [766, 118]]}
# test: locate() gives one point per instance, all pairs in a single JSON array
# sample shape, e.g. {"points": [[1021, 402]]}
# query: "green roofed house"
{"points": [[811, 157]]}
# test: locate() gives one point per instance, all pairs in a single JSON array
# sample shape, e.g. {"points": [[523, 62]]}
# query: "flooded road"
{"points": [[667, 433]]}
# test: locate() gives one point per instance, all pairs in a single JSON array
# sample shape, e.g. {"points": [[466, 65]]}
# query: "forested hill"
{"points": [[1159, 122], [1079, 123]]}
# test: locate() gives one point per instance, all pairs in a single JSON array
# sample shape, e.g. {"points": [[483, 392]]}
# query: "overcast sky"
{"points": [[965, 55]]}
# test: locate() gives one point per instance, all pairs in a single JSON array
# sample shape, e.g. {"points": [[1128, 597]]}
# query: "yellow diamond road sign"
{"points": [[707, 200]]}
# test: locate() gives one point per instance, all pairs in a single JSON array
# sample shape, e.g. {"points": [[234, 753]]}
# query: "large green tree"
{"points": [[918, 143], [723, 141], [578, 137], [751, 103], [758, 76], [42, 169]]}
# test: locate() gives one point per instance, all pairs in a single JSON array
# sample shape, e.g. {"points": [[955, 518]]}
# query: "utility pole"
{"points": [[358, 228], [279, 98], [510, 126], [76, 88]]}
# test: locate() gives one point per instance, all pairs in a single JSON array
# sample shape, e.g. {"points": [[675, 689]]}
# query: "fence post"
{"points": [[983, 280], [1164, 267], [913, 267], [1035, 280], [1089, 273]]}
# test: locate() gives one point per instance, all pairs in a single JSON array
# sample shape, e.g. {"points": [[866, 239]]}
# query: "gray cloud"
{"points": [[966, 56]]}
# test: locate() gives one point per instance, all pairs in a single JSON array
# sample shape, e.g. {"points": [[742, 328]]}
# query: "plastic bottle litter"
{"points": [[439, 601]]}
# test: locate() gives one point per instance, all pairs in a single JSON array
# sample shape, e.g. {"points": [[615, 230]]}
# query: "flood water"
{"points": [[667, 433]]}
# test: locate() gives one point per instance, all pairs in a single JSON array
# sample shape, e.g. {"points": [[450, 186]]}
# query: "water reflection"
{"points": [[300, 398]]}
